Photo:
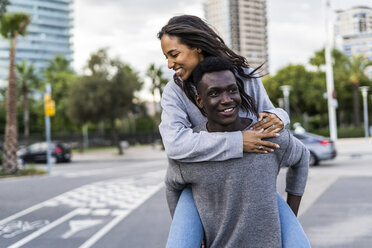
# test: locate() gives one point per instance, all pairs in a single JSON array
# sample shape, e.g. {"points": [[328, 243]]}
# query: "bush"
{"points": [[145, 124], [343, 132]]}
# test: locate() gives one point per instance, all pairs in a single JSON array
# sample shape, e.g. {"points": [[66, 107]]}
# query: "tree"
{"points": [[105, 95], [28, 80], [157, 79], [12, 25], [355, 72], [60, 76], [306, 86], [348, 76]]}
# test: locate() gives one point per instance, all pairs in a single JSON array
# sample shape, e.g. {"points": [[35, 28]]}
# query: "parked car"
{"points": [[321, 148], [37, 152]]}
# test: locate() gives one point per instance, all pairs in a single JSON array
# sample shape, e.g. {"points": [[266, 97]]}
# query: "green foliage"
{"points": [[307, 89], [12, 24], [348, 76], [157, 79], [26, 75], [61, 77], [342, 132], [145, 124], [103, 97]]}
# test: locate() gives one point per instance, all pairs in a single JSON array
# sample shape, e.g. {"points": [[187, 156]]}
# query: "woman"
{"points": [[186, 40], [237, 198]]}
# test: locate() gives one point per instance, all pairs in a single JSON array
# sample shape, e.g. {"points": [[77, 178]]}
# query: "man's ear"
{"points": [[199, 101]]}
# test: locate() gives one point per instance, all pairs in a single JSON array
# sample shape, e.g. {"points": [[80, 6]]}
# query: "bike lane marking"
{"points": [[116, 198]]}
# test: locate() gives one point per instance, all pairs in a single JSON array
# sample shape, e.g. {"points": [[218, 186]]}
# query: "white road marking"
{"points": [[48, 227], [79, 225], [118, 196], [120, 216]]}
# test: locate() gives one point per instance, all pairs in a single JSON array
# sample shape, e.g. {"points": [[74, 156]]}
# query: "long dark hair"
{"points": [[195, 33]]}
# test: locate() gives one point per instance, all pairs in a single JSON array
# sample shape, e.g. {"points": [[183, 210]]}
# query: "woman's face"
{"points": [[181, 58]]}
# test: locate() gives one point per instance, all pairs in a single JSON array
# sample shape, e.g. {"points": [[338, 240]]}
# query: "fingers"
{"points": [[269, 146], [265, 120]]}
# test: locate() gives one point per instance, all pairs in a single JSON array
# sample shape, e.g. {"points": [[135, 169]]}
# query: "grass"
{"points": [[26, 171]]}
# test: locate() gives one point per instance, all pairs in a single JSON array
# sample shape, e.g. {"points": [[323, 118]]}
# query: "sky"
{"points": [[128, 28]]}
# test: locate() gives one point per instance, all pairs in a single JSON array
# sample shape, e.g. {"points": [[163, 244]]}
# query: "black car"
{"points": [[37, 152]]}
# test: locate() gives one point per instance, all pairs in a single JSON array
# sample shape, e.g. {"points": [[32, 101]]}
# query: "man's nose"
{"points": [[226, 98]]}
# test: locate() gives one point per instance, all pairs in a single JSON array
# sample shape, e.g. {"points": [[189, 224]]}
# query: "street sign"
{"points": [[49, 105]]}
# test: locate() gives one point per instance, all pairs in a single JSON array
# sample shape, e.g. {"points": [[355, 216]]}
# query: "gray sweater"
{"points": [[236, 199], [180, 115]]}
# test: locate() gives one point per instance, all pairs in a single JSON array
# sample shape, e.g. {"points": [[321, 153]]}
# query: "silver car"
{"points": [[321, 148]]}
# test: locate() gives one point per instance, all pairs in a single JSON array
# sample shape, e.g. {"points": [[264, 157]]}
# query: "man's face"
{"points": [[219, 98]]}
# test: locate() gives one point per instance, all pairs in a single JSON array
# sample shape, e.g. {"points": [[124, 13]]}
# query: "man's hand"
{"points": [[294, 202], [252, 141], [269, 122]]}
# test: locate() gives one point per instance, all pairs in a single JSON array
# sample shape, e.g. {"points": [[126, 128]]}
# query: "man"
{"points": [[236, 199]]}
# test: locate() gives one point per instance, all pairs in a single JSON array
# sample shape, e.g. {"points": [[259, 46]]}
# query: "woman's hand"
{"points": [[252, 141], [269, 122]]}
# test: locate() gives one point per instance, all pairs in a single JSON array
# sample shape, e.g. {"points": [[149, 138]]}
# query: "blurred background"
{"points": [[88, 76]]}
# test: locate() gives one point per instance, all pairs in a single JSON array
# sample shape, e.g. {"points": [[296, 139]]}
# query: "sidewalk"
{"points": [[133, 152], [354, 147]]}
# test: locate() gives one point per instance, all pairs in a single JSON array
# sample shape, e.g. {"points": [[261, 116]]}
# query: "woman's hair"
{"points": [[195, 33], [214, 64]]}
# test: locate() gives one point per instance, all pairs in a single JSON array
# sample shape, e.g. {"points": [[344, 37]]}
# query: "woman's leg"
{"points": [[186, 230], [292, 233]]}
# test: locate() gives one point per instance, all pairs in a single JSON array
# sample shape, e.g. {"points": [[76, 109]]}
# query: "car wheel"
{"points": [[313, 160]]}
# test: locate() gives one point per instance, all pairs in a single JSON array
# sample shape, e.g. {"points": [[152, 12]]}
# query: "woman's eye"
{"points": [[174, 55], [233, 90]]}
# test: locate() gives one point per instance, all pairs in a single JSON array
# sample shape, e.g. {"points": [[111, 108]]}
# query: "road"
{"points": [[103, 200], [96, 201]]}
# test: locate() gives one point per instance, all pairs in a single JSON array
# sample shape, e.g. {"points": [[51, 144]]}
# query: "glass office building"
{"points": [[48, 34]]}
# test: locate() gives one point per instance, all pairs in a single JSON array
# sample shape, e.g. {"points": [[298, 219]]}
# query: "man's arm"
{"points": [[296, 157], [174, 184]]}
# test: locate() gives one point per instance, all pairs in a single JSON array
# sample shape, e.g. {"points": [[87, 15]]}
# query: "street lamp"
{"points": [[286, 89], [329, 76], [364, 90]]}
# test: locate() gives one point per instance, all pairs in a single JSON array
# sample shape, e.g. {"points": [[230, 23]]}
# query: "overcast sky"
{"points": [[129, 28]]}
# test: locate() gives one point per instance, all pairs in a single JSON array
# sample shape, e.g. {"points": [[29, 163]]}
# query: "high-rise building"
{"points": [[354, 29], [243, 26], [48, 34]]}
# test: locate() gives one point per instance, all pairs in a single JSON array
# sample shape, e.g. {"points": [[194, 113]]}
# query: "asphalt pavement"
{"points": [[106, 200]]}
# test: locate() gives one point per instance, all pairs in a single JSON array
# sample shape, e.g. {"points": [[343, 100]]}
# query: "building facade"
{"points": [[354, 31], [48, 34], [243, 26]]}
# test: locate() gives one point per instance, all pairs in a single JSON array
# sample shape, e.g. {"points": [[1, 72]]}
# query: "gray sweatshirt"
{"points": [[180, 115], [236, 199]]}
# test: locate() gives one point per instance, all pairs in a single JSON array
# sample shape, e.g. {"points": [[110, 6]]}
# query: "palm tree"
{"points": [[157, 79], [12, 25], [355, 72], [28, 80]]}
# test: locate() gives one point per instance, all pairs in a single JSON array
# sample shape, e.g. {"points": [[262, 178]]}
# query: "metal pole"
{"points": [[364, 90], [286, 89], [329, 78], [47, 130]]}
